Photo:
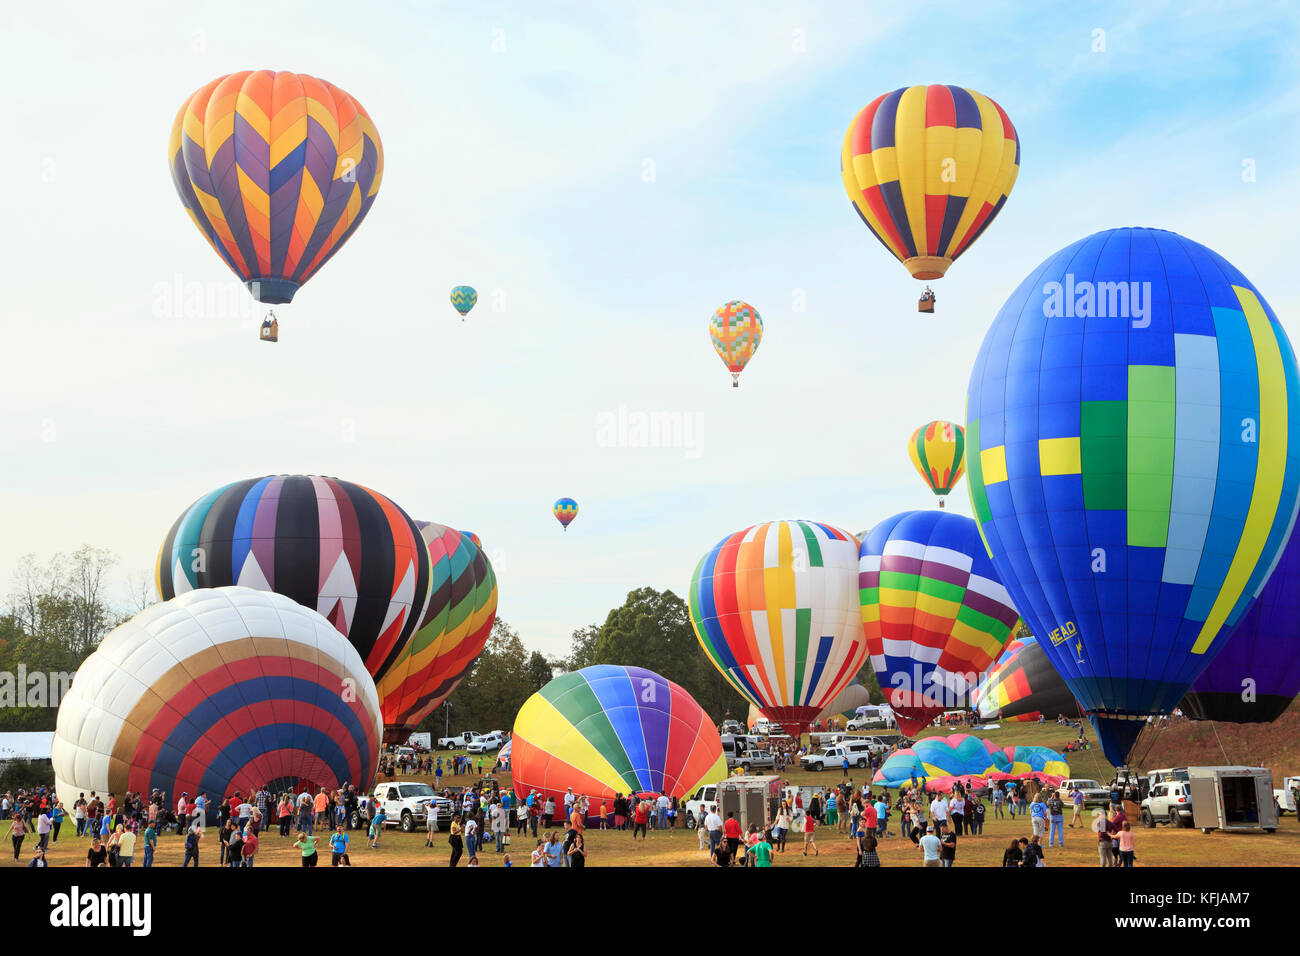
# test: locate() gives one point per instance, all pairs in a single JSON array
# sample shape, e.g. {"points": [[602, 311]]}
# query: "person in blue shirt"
{"points": [[338, 846], [553, 850], [882, 817]]}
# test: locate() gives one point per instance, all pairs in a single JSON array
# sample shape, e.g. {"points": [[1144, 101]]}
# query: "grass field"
{"points": [[1158, 847]]}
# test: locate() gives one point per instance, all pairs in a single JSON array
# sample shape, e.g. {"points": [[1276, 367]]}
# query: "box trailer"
{"points": [[1232, 798], [754, 800]]}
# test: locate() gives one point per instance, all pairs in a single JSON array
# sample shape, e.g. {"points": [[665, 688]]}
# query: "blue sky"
{"points": [[517, 141]]}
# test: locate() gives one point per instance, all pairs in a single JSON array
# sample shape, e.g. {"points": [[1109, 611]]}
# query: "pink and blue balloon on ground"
{"points": [[605, 730], [942, 762], [1134, 462], [565, 510]]}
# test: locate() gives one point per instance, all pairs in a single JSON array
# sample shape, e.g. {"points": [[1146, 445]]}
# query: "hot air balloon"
{"points": [[1135, 462], [606, 730], [463, 298], [943, 761], [928, 168], [216, 691], [1256, 676], [934, 612], [938, 451], [277, 170], [565, 510], [846, 702], [343, 550], [736, 330], [775, 608], [455, 627], [1023, 685]]}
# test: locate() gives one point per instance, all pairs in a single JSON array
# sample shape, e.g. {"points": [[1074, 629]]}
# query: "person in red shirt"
{"points": [[869, 819], [731, 827], [639, 819], [809, 826]]}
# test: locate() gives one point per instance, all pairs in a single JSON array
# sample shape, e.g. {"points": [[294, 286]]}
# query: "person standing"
{"points": [[712, 823], [810, 834], [957, 813], [929, 846], [1038, 815], [150, 844], [948, 847], [976, 810], [340, 839], [1056, 814], [249, 850], [455, 840], [939, 813], [1127, 845], [306, 842], [193, 837], [17, 832], [44, 824], [126, 848], [640, 817], [781, 826], [97, 856], [1012, 856], [997, 802], [1076, 801]]}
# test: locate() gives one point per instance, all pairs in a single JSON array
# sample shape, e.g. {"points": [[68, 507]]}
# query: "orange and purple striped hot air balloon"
{"points": [[277, 170]]}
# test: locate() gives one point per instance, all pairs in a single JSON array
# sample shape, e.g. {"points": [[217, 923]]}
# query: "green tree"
{"points": [[490, 695], [582, 648], [539, 670]]}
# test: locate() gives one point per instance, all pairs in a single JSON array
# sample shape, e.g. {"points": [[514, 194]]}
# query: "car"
{"points": [[407, 804], [756, 760], [867, 722], [1094, 794], [858, 753], [697, 805], [458, 742], [732, 727], [1169, 802], [486, 743], [1288, 795]]}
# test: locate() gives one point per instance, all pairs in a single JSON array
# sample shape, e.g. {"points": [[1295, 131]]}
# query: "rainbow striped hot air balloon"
{"points": [[938, 450], [735, 330], [1023, 685], [463, 298], [218, 690], [606, 730], [565, 510], [452, 633], [775, 608], [1134, 425], [934, 612], [927, 169], [277, 170]]}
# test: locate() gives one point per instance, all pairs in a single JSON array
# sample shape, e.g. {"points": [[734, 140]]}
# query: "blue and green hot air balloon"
{"points": [[1133, 431], [463, 298]]}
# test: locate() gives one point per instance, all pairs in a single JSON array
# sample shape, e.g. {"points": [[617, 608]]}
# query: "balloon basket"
{"points": [[925, 305]]}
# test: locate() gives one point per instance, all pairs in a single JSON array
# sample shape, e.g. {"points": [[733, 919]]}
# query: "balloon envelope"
{"points": [[1134, 463], [463, 298], [605, 730], [937, 450], [345, 551], [1256, 676], [1023, 685], [928, 168], [453, 631], [216, 691], [941, 761], [276, 170], [934, 612], [565, 510], [775, 608], [735, 330]]}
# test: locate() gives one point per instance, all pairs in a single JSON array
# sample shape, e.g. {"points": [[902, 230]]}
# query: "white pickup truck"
{"points": [[459, 742], [1288, 795]]}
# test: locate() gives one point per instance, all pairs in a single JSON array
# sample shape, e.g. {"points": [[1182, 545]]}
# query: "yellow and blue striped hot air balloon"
{"points": [[938, 450], [277, 170], [463, 298], [1134, 426], [927, 169]]}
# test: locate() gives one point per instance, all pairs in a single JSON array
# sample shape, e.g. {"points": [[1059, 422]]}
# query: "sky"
{"points": [[605, 175]]}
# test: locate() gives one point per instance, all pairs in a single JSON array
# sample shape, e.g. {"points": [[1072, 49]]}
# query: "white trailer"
{"points": [[1232, 798]]}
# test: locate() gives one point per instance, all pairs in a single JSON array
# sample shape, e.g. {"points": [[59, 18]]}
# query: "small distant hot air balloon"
{"points": [[277, 170], [463, 298], [938, 452], [1132, 464], [736, 330], [927, 169], [565, 510]]}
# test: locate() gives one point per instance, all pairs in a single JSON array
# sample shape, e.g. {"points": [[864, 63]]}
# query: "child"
{"points": [[505, 860], [603, 811]]}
